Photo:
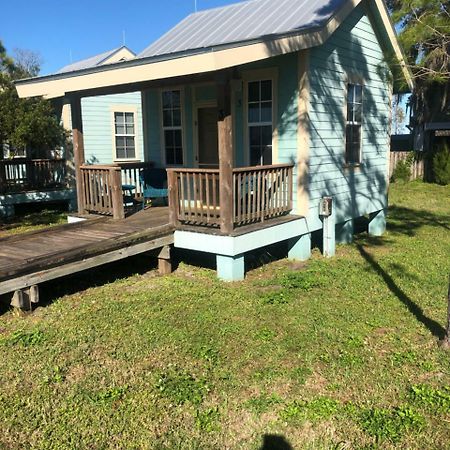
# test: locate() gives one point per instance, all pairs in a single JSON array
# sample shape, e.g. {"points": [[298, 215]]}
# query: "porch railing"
{"points": [[24, 175], [102, 187], [258, 193]]}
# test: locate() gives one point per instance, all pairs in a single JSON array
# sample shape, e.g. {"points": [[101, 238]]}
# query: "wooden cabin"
{"points": [[272, 119]]}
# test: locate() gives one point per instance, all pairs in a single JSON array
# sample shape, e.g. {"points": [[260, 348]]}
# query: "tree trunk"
{"points": [[446, 340]]}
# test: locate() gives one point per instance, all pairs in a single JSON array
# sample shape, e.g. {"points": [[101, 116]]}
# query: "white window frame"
{"points": [[179, 127], [125, 109], [353, 81], [261, 75]]}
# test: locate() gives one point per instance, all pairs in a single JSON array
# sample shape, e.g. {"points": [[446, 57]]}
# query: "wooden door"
{"points": [[208, 148]]}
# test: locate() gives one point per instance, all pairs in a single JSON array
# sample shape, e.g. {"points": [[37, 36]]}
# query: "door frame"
{"points": [[198, 105]]}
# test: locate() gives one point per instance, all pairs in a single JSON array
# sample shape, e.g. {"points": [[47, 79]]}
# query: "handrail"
{"points": [[258, 193]]}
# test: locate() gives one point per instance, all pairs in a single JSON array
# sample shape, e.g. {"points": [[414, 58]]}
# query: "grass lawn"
{"points": [[32, 220], [332, 354]]}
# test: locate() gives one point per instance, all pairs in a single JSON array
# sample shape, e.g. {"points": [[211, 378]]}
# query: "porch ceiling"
{"points": [[131, 75]]}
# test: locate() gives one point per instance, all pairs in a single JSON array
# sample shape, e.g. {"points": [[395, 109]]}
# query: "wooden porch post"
{"points": [[78, 148], [225, 159]]}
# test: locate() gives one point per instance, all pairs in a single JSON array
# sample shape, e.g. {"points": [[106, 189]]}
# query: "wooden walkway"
{"points": [[32, 258]]}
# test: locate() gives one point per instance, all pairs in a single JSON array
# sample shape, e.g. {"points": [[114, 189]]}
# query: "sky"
{"points": [[61, 30]]}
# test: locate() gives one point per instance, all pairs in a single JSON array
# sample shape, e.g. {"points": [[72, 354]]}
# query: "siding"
{"points": [[97, 125], [353, 50]]}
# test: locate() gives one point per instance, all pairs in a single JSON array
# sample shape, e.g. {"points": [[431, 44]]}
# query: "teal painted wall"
{"points": [[97, 125], [353, 50]]}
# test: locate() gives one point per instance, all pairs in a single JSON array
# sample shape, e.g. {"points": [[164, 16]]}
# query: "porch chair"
{"points": [[153, 184]]}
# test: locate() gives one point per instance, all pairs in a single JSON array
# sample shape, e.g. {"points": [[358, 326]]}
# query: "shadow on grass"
{"points": [[407, 221], [434, 327], [274, 442]]}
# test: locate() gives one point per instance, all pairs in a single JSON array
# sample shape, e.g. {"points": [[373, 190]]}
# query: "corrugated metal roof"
{"points": [[87, 63], [240, 22]]}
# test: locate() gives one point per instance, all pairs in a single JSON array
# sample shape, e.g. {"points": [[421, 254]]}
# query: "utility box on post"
{"points": [[326, 206]]}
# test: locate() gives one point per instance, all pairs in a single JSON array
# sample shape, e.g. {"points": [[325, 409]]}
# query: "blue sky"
{"points": [[58, 28]]}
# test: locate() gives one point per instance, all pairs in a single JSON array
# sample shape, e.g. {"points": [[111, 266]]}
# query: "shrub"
{"points": [[402, 171], [441, 166]]}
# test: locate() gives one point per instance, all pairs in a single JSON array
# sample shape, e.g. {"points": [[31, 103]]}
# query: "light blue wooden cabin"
{"points": [[261, 111]]}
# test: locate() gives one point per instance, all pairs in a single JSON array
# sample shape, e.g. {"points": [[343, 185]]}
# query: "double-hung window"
{"points": [[125, 135], [172, 127], [260, 127], [353, 125]]}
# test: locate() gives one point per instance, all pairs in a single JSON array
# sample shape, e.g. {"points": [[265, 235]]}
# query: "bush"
{"points": [[402, 171], [441, 165]]}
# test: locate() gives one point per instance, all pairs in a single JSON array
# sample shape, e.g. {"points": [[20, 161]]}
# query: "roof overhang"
{"points": [[201, 61]]}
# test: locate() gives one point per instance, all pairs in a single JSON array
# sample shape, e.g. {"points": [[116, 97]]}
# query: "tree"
{"points": [[424, 33], [29, 124]]}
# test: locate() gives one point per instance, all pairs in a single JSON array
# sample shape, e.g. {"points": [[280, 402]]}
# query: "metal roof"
{"points": [[241, 22], [93, 61]]}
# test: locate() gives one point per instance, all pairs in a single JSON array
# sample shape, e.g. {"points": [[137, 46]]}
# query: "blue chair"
{"points": [[153, 184]]}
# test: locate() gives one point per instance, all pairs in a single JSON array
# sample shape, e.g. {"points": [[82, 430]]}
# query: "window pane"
{"points": [[129, 118], [167, 118], [167, 99], [177, 138], [266, 135], [253, 113], [358, 93], [255, 156], [120, 153], [130, 142], [357, 116], [253, 91], [255, 136], [130, 129], [353, 144], [266, 90], [266, 112], [179, 155], [177, 117], [120, 129], [176, 99], [119, 118], [170, 156], [131, 153], [120, 141], [350, 93], [267, 155], [169, 138]]}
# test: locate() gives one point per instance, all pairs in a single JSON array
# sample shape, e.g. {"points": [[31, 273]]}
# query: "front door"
{"points": [[208, 147]]}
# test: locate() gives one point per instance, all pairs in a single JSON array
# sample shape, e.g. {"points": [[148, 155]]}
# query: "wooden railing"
{"points": [[102, 190], [258, 193], [24, 175], [130, 174]]}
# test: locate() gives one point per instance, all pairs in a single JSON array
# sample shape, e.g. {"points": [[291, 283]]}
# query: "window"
{"points": [[125, 135], [353, 124], [172, 127], [260, 122]]}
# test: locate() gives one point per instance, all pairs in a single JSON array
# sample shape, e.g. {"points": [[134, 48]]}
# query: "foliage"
{"points": [[391, 424], [320, 408], [441, 165], [425, 37], [24, 338], [25, 123], [432, 397]]}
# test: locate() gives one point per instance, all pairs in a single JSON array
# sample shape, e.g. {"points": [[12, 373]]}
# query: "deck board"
{"points": [[39, 251]]}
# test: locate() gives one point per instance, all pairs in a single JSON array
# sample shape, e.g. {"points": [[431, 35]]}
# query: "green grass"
{"points": [[335, 354], [31, 221]]}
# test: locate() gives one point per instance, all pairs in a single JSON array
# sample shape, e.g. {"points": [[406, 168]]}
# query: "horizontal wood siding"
{"points": [[97, 125], [352, 51]]}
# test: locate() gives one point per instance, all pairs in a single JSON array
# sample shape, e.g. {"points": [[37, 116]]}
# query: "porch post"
{"points": [[78, 148], [225, 159]]}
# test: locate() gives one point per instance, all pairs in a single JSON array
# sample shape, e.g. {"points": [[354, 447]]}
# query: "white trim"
{"points": [[260, 75], [124, 108]]}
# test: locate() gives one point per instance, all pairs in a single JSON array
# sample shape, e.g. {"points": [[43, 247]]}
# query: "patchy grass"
{"points": [[31, 221], [338, 353]]}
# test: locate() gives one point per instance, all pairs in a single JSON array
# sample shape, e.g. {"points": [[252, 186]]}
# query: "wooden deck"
{"points": [[35, 257]]}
